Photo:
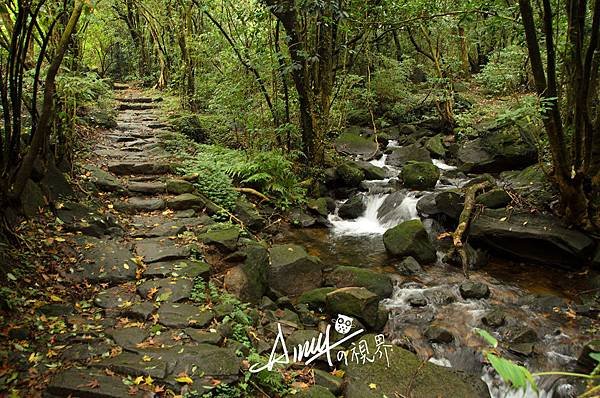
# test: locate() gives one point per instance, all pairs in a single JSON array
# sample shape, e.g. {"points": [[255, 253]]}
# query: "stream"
{"points": [[526, 294]]}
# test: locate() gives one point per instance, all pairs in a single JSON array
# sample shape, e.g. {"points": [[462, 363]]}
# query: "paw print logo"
{"points": [[343, 324]]}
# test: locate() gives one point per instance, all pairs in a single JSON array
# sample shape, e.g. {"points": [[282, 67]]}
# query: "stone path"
{"points": [[118, 340]]}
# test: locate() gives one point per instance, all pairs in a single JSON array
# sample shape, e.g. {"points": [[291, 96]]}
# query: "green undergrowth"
{"points": [[221, 169]]}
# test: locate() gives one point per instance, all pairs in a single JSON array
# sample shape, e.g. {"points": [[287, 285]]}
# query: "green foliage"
{"points": [[506, 71]]}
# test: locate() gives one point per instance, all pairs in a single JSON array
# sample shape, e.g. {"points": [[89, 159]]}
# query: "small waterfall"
{"points": [[370, 222], [379, 162], [440, 164]]}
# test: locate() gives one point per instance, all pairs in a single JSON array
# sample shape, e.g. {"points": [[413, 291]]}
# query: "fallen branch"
{"points": [[458, 236], [254, 192]]}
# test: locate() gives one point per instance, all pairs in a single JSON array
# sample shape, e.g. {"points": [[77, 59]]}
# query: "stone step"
{"points": [[86, 383], [137, 204], [135, 107], [147, 188], [120, 86], [129, 167], [139, 100]]}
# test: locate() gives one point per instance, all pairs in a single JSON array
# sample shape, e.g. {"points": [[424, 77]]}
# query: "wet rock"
{"points": [[523, 349], [409, 266], [494, 318], [344, 276], [523, 334], [299, 218], [115, 297], [352, 208], [314, 391], [408, 375], [136, 205], [435, 146], [155, 250], [293, 271], [179, 187], [85, 383], [584, 361], [494, 199], [32, 198], [477, 258], [170, 290], [496, 151], [223, 236], [416, 300], [420, 175], [410, 239], [128, 337], [539, 238], [474, 290], [349, 175], [354, 301], [183, 315], [410, 153], [533, 184], [370, 171], [103, 180], [202, 337], [440, 296], [249, 280], [105, 261], [249, 214], [186, 268], [436, 334], [448, 203], [388, 210], [129, 168], [352, 142]]}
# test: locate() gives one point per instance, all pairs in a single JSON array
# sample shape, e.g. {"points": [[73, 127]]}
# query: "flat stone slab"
{"points": [[133, 364], [147, 187], [116, 297], [85, 351], [169, 290], [106, 261], [183, 315], [202, 337], [140, 311], [128, 167], [186, 201], [172, 228], [103, 180], [160, 250], [136, 204], [84, 383], [128, 337], [187, 268]]}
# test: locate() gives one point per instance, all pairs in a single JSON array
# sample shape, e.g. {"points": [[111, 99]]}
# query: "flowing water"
{"points": [[515, 288]]}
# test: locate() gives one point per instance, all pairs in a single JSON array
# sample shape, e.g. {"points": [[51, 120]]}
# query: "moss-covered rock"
{"points": [[352, 208], [349, 175], [315, 298], [354, 301], [314, 391], [249, 214], [409, 376], [420, 175], [318, 206], [352, 142], [435, 146], [344, 276], [371, 171], [178, 187], [410, 239], [223, 236], [293, 271], [494, 199], [409, 153], [249, 280]]}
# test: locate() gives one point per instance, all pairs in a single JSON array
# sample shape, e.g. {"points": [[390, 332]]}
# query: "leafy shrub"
{"points": [[506, 71]]}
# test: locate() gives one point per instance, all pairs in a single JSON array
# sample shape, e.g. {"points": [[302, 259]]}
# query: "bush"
{"points": [[506, 72]]}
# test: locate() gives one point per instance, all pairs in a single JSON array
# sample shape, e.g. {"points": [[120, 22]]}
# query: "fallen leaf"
{"points": [[184, 379], [373, 386]]}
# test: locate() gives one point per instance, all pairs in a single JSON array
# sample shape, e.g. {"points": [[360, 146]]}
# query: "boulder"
{"points": [[409, 266], [435, 146], [371, 171], [408, 375], [352, 208], [436, 334], [540, 238], [56, 184], [532, 183], [354, 301], [314, 391], [410, 239], [352, 142], [187, 201], [448, 203], [293, 271], [249, 214], [410, 153], [315, 298], [249, 280], [318, 206], [420, 175], [103, 180], [300, 219], [344, 276], [474, 290], [349, 175], [495, 151], [32, 199], [494, 198], [388, 210]]}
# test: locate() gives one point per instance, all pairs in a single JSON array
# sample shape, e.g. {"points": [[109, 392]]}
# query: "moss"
{"points": [[420, 175]]}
